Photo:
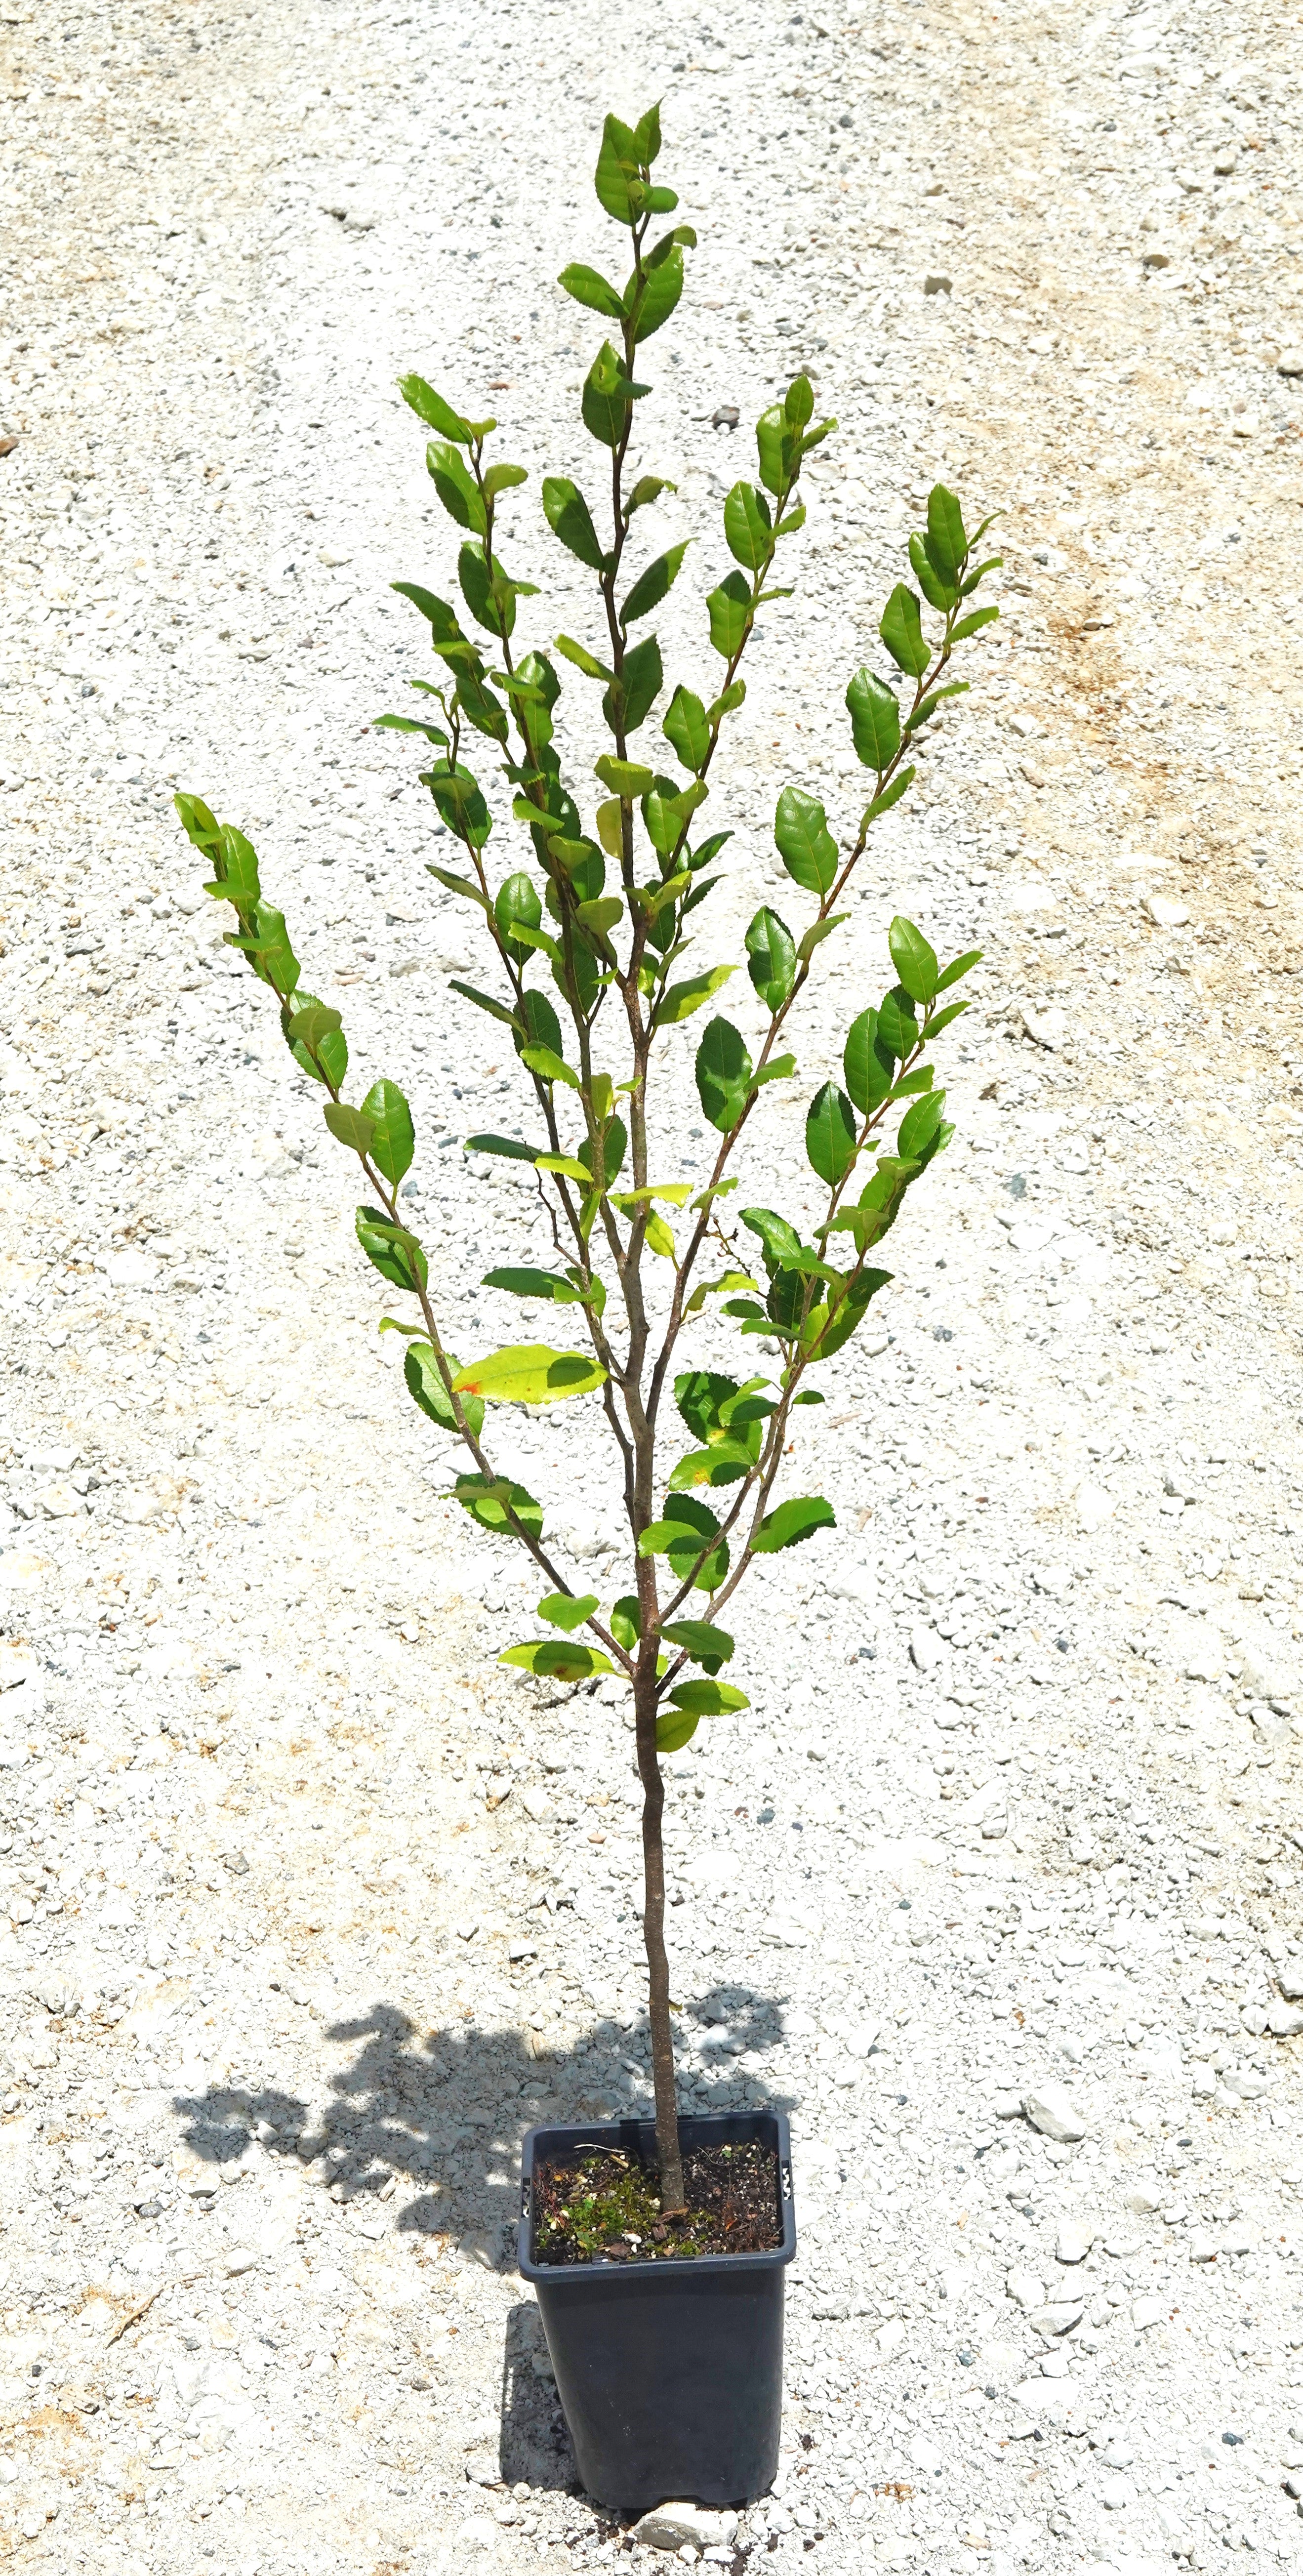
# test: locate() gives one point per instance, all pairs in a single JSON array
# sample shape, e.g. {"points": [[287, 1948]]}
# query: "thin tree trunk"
{"points": [[653, 1924]]}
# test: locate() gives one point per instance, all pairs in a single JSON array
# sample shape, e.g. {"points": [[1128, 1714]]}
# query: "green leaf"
{"points": [[924, 712], [625, 1622], [488, 594], [309, 1029], [606, 397], [267, 947], [558, 1662], [681, 1535], [705, 1644], [723, 1074], [875, 720], [675, 1727], [947, 543], [549, 1067], [441, 618], [815, 936], [615, 1142], [628, 701], [651, 586], [867, 1065], [959, 966], [662, 287], [778, 442], [516, 902], [937, 591], [944, 1018], [530, 1373], [901, 629], [568, 1165], [488, 1499], [792, 1522], [393, 1142], [461, 806], [890, 796], [581, 657], [620, 189], [421, 1370], [563, 1610], [920, 1124], [748, 527], [351, 1126], [971, 624], [568, 516], [729, 610], [535, 1283], [627, 778], [587, 287], [482, 1001], [771, 958], [685, 728], [510, 1147], [456, 487], [464, 886], [200, 826], [707, 1699], [723, 1463], [391, 1250], [727, 702], [782, 1244], [433, 410], [805, 844], [682, 999], [699, 1395], [830, 1136], [504, 478], [897, 1026], [915, 962], [648, 487]]}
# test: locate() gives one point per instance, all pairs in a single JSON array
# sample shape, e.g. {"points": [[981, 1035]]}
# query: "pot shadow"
{"points": [[445, 2109]]}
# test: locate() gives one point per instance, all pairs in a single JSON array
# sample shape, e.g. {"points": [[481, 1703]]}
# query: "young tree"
{"points": [[590, 938]]}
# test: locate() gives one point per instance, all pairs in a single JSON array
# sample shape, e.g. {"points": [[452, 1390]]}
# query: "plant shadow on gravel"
{"points": [[447, 2108]]}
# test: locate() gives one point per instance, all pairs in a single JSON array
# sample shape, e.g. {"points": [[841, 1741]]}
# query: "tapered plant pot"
{"points": [[670, 2374]]}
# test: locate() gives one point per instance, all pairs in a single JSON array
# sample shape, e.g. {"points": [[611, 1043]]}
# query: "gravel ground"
{"points": [[312, 1908]]}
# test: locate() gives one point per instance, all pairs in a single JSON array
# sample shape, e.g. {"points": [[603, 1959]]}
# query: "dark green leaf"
{"points": [[729, 609], [915, 962], [830, 1134], [723, 1074], [890, 796], [947, 543], [433, 410], [461, 806], [421, 1370], [615, 1145], [628, 701], [510, 1147], [901, 630], [771, 958], [919, 1126], [681, 1535], [937, 591], [442, 619], [868, 1065], [662, 286], [748, 528], [805, 844], [685, 728], [651, 586], [392, 1140], [792, 1522], [705, 1644], [587, 287], [625, 1622], [482, 1001], [606, 397], [699, 1395], [897, 1027], [875, 720], [391, 1250], [352, 1127], [568, 516]]}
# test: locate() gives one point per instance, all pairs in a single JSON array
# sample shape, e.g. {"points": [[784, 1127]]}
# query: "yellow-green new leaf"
{"points": [[559, 1659], [682, 999], [530, 1373]]}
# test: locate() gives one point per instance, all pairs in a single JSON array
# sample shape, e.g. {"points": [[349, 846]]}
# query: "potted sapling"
{"points": [[656, 2247]]}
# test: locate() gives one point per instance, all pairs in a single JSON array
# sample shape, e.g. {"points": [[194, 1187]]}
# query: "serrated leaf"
{"points": [[589, 288], [568, 516], [663, 283], [391, 1249], [682, 999], [455, 486], [530, 1373], [791, 1523], [868, 1067], [549, 1067], [815, 936], [488, 1499], [723, 1071], [698, 1699], [483, 1001], [685, 728], [651, 586], [687, 1527], [350, 1126], [729, 610], [509, 1147], [312, 1030], [546, 1284], [748, 527], [947, 542], [393, 1142], [830, 1134], [771, 958], [971, 625], [890, 796], [805, 844], [628, 701], [620, 190], [901, 629], [914, 960], [875, 720]]}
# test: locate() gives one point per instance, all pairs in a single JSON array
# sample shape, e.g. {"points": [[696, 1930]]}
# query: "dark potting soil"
{"points": [[602, 2205]]}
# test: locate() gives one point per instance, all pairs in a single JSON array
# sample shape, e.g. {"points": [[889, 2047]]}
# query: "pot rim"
{"points": [[716, 2124]]}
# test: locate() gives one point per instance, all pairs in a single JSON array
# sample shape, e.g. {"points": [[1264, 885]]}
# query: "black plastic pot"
{"points": [[670, 2374]]}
